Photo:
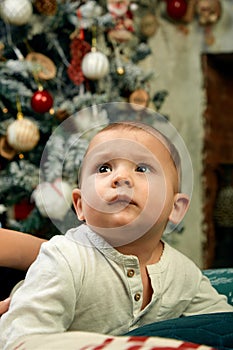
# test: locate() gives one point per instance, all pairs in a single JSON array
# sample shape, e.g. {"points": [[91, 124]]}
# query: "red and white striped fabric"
{"points": [[94, 341]]}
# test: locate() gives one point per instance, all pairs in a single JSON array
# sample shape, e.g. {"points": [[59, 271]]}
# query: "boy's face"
{"points": [[128, 185]]}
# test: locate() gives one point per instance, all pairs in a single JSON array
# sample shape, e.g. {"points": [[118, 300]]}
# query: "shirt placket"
{"points": [[132, 272]]}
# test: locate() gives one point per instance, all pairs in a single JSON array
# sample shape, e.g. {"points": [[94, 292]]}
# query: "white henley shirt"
{"points": [[80, 283]]}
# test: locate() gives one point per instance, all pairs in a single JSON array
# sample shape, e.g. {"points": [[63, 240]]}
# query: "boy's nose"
{"points": [[122, 181]]}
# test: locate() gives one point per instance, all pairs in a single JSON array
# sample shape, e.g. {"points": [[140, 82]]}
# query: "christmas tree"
{"points": [[58, 58]]}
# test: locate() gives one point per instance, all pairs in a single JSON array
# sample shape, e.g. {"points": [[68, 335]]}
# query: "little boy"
{"points": [[114, 273]]}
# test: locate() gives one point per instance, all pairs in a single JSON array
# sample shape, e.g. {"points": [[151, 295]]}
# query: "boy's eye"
{"points": [[105, 168], [142, 168]]}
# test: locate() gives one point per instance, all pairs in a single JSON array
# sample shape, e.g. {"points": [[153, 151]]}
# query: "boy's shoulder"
{"points": [[176, 268], [65, 251], [177, 259], [76, 235], [80, 238]]}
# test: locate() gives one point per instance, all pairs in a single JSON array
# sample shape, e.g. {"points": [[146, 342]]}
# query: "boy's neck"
{"points": [[147, 252]]}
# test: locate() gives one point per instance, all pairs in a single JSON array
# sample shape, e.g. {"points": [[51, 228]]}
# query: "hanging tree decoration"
{"points": [[6, 151], [16, 12], [123, 20], [118, 58], [42, 100], [78, 49], [149, 25], [23, 134], [95, 64], [43, 68], [208, 13], [53, 199], [140, 99], [176, 9], [46, 7]]}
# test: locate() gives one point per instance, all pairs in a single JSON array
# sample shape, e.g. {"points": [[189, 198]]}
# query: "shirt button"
{"points": [[130, 273], [137, 296]]}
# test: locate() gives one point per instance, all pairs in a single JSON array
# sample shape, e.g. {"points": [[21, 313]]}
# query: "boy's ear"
{"points": [[77, 203], [180, 207]]}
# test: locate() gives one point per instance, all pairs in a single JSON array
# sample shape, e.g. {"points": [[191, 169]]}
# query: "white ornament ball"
{"points": [[53, 200], [16, 12], [95, 65], [23, 135]]}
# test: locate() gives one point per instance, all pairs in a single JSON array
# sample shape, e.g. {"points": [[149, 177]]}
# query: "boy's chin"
{"points": [[119, 233]]}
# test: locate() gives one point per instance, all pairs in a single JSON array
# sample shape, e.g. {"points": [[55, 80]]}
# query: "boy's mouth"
{"points": [[122, 199]]}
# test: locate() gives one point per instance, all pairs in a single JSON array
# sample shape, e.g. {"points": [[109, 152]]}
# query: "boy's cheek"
{"points": [[92, 194]]}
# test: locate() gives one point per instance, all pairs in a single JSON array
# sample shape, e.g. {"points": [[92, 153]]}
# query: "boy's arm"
{"points": [[207, 300], [18, 250], [45, 302], [4, 306]]}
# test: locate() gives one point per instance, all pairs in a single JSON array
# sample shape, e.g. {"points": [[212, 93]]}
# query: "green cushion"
{"points": [[212, 329], [222, 280]]}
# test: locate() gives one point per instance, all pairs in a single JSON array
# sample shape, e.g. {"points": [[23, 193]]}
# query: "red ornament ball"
{"points": [[41, 101], [176, 9]]}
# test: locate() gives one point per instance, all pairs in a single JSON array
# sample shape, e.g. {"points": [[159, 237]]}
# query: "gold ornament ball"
{"points": [[23, 135], [120, 70]]}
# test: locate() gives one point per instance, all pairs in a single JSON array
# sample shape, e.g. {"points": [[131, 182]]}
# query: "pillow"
{"points": [[96, 341], [210, 329], [222, 280]]}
